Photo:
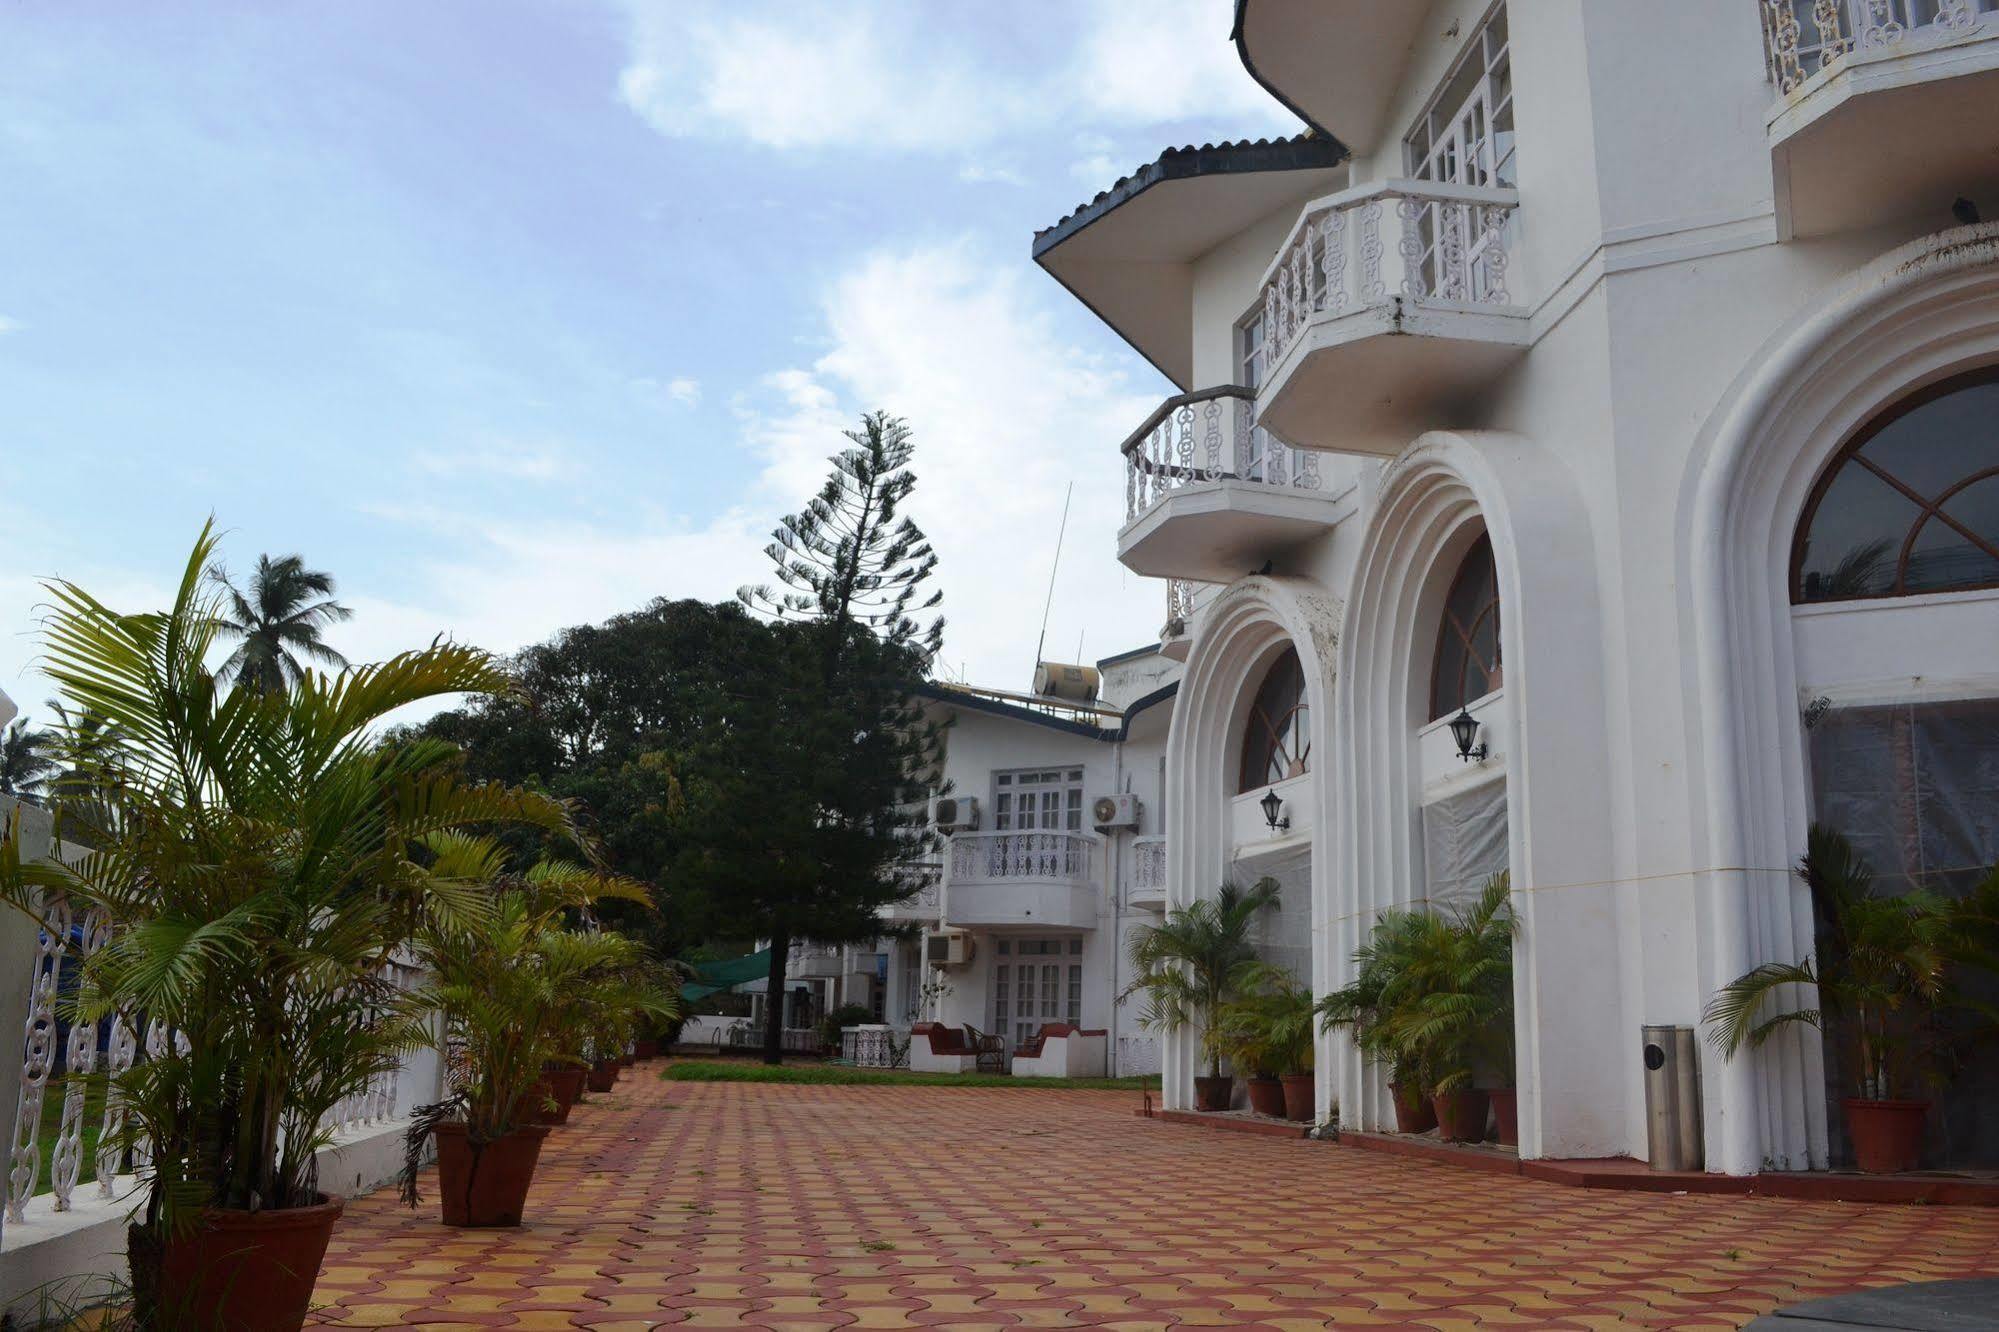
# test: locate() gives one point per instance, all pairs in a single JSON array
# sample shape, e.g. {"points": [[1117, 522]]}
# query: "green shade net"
{"points": [[712, 976]]}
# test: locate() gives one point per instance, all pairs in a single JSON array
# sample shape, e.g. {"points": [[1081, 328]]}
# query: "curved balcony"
{"points": [[921, 904], [1148, 874], [1897, 85], [1023, 878], [1371, 341], [1208, 496]]}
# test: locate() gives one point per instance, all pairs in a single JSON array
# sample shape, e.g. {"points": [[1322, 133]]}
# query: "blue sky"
{"points": [[516, 313]]}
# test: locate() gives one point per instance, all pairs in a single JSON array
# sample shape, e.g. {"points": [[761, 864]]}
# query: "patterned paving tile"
{"points": [[736, 1205]]}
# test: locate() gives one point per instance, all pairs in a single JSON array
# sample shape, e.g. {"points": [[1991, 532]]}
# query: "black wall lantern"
{"points": [[1272, 805], [1464, 730]]}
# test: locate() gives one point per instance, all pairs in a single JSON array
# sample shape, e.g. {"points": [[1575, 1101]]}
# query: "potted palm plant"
{"points": [[1886, 969], [1433, 999], [250, 853], [1190, 965], [504, 988], [1269, 1026]]}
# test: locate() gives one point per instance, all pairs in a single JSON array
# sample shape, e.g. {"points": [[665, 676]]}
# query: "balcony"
{"points": [[1210, 497], [921, 904], [1370, 343], [1897, 85], [813, 961], [1023, 878], [1148, 874]]}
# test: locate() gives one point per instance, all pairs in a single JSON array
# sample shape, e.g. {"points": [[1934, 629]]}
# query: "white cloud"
{"points": [[680, 391], [508, 459], [987, 173], [8, 325], [895, 77]]}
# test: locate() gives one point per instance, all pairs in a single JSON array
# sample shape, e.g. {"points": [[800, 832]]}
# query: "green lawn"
{"points": [[705, 1070]]}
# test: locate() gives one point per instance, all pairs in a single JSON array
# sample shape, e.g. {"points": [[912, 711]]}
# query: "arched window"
{"points": [[1912, 505], [1468, 640], [1277, 742]]}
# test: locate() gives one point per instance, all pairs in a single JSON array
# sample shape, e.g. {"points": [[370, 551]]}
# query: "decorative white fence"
{"points": [[1802, 37], [1450, 248], [999, 856], [1148, 869], [59, 1160], [1208, 436]]}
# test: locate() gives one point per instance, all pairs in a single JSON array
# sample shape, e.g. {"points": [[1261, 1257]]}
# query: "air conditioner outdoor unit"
{"points": [[947, 948], [956, 813], [1115, 811]]}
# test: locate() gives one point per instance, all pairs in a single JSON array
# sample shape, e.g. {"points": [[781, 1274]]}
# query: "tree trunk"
{"points": [[780, 951]]}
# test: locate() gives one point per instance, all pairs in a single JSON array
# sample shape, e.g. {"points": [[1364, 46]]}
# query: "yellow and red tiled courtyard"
{"points": [[727, 1204]]}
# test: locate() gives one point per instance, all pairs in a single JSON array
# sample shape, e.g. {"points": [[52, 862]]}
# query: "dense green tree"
{"points": [[275, 620], [853, 573]]}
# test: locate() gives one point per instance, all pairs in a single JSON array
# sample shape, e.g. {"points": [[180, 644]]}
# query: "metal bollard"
{"points": [[1672, 1098]]}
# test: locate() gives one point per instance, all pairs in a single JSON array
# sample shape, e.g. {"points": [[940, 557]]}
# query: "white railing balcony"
{"points": [[813, 961], [924, 896], [1176, 635], [1208, 495], [1148, 873], [1385, 302], [1023, 878], [1920, 75]]}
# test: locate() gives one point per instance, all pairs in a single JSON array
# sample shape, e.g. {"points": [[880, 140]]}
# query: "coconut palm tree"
{"points": [[25, 761], [277, 619], [1195, 961]]}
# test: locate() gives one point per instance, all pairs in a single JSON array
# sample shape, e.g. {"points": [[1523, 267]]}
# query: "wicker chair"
{"points": [[990, 1049]]}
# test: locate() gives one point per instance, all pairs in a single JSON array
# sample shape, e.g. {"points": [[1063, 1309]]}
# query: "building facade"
{"points": [[1621, 381]]}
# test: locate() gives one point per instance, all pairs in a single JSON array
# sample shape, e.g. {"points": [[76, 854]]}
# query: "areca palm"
{"points": [[26, 763], [1192, 963], [277, 619], [255, 863], [1885, 968]]}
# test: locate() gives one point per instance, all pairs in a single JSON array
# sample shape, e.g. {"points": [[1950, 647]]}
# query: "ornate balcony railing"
{"points": [[1208, 436], [996, 857], [1802, 37], [1148, 869], [1450, 246], [921, 881]]}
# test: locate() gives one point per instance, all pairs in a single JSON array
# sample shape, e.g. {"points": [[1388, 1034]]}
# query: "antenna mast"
{"points": [[1049, 602]]}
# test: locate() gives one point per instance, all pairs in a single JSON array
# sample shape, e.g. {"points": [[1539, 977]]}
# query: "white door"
{"points": [[1036, 981]]}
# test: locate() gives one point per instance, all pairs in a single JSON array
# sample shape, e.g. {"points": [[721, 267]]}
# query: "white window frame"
{"points": [[1064, 779], [1479, 160]]}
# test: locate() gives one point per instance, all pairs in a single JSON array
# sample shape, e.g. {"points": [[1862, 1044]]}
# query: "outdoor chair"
{"points": [[990, 1049]]}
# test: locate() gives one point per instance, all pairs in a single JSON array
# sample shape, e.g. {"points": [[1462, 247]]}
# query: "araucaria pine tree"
{"points": [[854, 745]]}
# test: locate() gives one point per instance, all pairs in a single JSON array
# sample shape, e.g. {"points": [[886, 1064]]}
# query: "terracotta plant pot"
{"points": [[1461, 1114], [1413, 1113], [245, 1271], [565, 1083], [1300, 1097], [1266, 1097], [648, 1050], [488, 1187], [1505, 1116], [1887, 1135], [1212, 1094], [603, 1076]]}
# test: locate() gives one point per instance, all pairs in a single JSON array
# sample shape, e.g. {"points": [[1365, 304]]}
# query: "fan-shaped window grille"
{"points": [[1468, 665], [1277, 742]]}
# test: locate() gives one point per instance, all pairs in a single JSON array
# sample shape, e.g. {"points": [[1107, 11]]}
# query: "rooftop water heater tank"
{"points": [[1076, 684]]}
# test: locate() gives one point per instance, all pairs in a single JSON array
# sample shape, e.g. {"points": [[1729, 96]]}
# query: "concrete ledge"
{"points": [[1935, 1188], [1231, 1121], [48, 1246]]}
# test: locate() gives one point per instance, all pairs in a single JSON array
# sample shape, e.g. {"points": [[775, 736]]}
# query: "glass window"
{"points": [[1277, 742], [1049, 799], [1468, 665], [1912, 505], [1075, 996]]}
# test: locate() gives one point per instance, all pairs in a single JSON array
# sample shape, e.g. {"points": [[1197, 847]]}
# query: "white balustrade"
{"points": [[1450, 249], [1208, 436], [1803, 37], [996, 857], [1148, 867]]}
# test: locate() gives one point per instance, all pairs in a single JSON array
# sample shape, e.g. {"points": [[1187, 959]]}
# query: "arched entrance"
{"points": [[1238, 679]]}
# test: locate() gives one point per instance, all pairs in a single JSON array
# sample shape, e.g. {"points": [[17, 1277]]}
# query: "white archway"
{"points": [[1239, 634], [1917, 315], [1576, 1080]]}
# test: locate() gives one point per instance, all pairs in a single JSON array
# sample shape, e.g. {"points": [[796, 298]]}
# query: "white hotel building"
{"points": [[1627, 376]]}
